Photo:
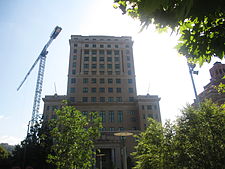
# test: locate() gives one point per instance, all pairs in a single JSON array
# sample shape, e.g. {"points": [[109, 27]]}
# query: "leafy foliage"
{"points": [[74, 136], [34, 149], [196, 140], [201, 23]]}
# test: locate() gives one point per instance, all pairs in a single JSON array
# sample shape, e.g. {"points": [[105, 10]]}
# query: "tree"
{"points": [[201, 23], [195, 140], [34, 149], [74, 135]]}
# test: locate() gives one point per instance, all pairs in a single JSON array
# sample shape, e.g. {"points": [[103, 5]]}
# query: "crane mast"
{"points": [[39, 83]]}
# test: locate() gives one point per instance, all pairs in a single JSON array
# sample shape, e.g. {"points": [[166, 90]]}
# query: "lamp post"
{"points": [[191, 71], [124, 135], [100, 158]]}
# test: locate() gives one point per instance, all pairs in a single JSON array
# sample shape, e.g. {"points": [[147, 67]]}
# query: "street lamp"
{"points": [[124, 134], [100, 156], [191, 71]]}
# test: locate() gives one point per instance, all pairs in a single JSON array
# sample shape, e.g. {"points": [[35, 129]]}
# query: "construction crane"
{"points": [[37, 96]]}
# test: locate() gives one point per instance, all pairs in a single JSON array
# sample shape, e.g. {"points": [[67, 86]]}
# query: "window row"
{"points": [[102, 45], [101, 52], [149, 107], [101, 72], [101, 66], [101, 80], [102, 99], [102, 90]]}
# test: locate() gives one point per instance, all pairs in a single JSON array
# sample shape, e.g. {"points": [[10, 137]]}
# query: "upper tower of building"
{"points": [[101, 69]]}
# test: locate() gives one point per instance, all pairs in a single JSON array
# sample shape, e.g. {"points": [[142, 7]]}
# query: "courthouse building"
{"points": [[101, 78], [217, 72]]}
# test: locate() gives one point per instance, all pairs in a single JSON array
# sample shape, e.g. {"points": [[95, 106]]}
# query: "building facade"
{"points": [[101, 78], [217, 72]]}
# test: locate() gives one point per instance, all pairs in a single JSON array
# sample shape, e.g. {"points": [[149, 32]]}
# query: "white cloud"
{"points": [[10, 140], [1, 117]]}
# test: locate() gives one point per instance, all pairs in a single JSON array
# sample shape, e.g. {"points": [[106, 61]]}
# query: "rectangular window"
{"points": [[86, 72], [74, 57], [116, 46], [101, 66], [85, 99], [117, 66], [102, 80], [72, 90], [118, 99], [117, 59], [101, 72], [127, 52], [93, 90], [109, 52], [93, 72], [155, 107], [111, 129], [143, 107], [74, 64], [130, 81], [111, 116], [85, 80], [101, 52], [93, 80], [127, 46], [102, 90], [73, 71], [118, 81], [93, 66], [120, 116], [94, 52], [117, 72], [110, 99], [94, 45], [131, 99], [75, 51], [75, 45], [116, 52], [86, 66], [110, 81], [118, 90], [108, 46], [101, 46], [109, 59], [128, 58], [86, 45], [93, 59], [73, 80], [109, 66], [86, 58], [102, 99], [121, 129], [85, 90], [110, 90], [128, 65], [102, 115], [129, 72], [130, 90], [149, 107], [93, 99], [86, 51], [101, 59], [109, 72]]}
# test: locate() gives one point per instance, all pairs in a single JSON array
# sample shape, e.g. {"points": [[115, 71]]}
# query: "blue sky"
{"points": [[25, 29]]}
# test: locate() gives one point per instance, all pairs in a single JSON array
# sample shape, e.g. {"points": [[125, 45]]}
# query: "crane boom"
{"points": [[38, 90]]}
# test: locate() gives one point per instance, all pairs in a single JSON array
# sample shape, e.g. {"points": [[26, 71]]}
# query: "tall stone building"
{"points": [[217, 72], [101, 78]]}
